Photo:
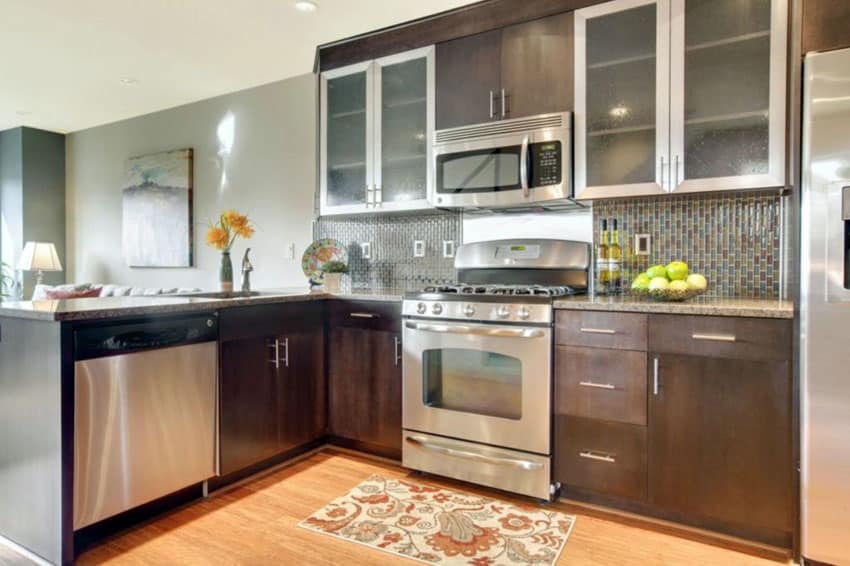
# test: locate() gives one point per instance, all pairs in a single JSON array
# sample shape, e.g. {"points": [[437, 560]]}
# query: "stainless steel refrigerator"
{"points": [[825, 309]]}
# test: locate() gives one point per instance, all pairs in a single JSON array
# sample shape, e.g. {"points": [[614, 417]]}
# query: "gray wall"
{"points": [[32, 195], [268, 172]]}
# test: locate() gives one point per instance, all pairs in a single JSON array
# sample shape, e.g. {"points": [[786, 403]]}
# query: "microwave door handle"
{"points": [[523, 167]]}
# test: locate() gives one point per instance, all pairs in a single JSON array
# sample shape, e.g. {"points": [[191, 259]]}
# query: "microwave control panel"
{"points": [[546, 164]]}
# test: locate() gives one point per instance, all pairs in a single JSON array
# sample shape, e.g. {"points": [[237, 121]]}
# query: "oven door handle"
{"points": [[467, 455], [497, 332]]}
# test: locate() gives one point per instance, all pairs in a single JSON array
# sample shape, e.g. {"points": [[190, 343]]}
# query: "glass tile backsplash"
{"points": [[734, 239], [391, 241]]}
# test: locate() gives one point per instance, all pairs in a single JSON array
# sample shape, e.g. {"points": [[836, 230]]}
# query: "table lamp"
{"points": [[39, 257]]}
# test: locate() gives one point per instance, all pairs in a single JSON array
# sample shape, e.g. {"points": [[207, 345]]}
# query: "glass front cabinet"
{"points": [[677, 96], [377, 122]]}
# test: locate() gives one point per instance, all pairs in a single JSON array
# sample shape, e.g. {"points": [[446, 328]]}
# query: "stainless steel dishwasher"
{"points": [[146, 412]]}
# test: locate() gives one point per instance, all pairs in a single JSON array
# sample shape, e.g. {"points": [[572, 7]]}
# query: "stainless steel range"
{"points": [[477, 399]]}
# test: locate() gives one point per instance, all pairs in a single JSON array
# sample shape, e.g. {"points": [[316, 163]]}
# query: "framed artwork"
{"points": [[157, 210]]}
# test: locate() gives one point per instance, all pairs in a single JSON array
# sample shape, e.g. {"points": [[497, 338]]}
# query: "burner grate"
{"points": [[504, 290]]}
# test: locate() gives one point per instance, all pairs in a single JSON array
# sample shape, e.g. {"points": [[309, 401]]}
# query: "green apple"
{"points": [[641, 282], [656, 271], [659, 284], [677, 270], [679, 286], [697, 281]]}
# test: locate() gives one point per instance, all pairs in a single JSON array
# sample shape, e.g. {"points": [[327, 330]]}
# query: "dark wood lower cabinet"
{"points": [[365, 387], [272, 387], [720, 440]]}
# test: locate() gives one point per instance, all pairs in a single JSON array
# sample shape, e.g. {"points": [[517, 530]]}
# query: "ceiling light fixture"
{"points": [[306, 6], [129, 81], [619, 112]]}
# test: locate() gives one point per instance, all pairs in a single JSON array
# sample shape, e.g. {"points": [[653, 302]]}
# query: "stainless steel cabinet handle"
{"points": [[662, 171], [505, 110], [656, 378], [397, 350], [370, 196], [492, 104], [275, 361], [595, 385], [715, 337], [286, 351], [676, 170], [598, 456], [363, 315], [597, 331], [523, 165], [467, 455], [499, 332]]}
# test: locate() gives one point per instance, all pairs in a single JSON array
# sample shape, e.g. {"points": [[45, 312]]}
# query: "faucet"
{"points": [[247, 268]]}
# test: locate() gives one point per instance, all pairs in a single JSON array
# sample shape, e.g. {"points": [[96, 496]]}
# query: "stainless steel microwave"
{"points": [[510, 163]]}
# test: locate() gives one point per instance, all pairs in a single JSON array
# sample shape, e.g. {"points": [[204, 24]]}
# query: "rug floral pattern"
{"points": [[439, 526]]}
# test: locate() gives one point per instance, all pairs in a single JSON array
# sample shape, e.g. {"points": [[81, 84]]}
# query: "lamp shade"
{"points": [[39, 256]]}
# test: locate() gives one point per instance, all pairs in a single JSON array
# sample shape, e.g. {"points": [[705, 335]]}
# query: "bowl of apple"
{"points": [[673, 282]]}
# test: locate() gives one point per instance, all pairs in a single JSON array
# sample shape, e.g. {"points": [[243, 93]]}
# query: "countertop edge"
{"points": [[774, 310]]}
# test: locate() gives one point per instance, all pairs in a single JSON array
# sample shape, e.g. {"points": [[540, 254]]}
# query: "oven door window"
{"points": [[479, 171], [472, 381]]}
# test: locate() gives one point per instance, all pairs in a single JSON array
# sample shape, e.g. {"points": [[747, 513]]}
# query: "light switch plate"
{"points": [[290, 251], [419, 248], [448, 248], [642, 244], [366, 250]]}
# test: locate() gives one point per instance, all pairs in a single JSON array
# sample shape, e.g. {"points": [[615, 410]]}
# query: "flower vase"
{"points": [[225, 274], [332, 282]]}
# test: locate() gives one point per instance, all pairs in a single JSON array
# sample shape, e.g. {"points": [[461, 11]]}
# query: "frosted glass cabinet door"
{"points": [[622, 95], [346, 137], [728, 94], [405, 112]]}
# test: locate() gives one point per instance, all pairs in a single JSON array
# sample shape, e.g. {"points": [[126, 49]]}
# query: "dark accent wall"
{"points": [[32, 195]]}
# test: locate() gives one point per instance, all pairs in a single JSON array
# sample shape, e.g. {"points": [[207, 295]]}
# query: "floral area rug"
{"points": [[438, 526]]}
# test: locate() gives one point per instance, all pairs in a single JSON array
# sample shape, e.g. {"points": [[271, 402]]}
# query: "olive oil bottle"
{"points": [[602, 273], [615, 258]]}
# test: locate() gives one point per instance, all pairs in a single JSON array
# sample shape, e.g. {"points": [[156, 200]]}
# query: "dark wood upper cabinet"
{"points": [[720, 425], [825, 25], [521, 70], [537, 66], [468, 74]]}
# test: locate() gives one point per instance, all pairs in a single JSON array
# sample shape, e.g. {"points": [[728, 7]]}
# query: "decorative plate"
{"points": [[318, 254]]}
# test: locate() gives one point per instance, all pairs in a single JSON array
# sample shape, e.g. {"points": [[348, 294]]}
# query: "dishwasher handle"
{"points": [[125, 338]]}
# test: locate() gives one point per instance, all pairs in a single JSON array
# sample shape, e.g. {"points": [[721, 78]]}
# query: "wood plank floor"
{"points": [[255, 524]]}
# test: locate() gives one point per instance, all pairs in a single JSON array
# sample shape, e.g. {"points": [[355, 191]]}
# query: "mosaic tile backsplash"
{"points": [[392, 265], [734, 239]]}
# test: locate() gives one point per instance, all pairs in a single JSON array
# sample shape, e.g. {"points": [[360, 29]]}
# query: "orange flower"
{"points": [[245, 231], [234, 220], [218, 237]]}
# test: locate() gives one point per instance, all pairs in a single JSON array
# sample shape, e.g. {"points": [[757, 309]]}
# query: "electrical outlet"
{"points": [[366, 250], [419, 248], [448, 248], [642, 244]]}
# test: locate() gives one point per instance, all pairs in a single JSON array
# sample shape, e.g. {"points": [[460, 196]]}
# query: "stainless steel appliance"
{"points": [[478, 364], [145, 415], [825, 309], [505, 164]]}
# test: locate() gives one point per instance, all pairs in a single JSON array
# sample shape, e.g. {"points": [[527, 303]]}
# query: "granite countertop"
{"points": [[114, 307], [708, 306]]}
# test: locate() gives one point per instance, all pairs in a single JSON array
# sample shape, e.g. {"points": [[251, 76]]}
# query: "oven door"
{"points": [[485, 383]]}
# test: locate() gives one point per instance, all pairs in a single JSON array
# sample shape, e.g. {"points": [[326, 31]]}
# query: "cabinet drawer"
{"points": [[721, 337], [601, 384], [268, 320], [601, 330], [600, 456], [371, 315]]}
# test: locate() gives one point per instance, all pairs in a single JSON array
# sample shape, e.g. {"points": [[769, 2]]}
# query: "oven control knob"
{"points": [[503, 312], [523, 313], [469, 310], [421, 308], [437, 308]]}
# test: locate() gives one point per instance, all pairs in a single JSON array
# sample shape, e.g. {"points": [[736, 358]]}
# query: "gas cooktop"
{"points": [[504, 290]]}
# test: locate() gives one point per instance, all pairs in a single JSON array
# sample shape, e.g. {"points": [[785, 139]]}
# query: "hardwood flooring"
{"points": [[255, 523]]}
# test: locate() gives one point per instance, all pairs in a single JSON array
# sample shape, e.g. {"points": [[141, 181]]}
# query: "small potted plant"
{"points": [[332, 275]]}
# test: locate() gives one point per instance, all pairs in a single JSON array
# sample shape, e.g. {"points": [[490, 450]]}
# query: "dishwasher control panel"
{"points": [[127, 337]]}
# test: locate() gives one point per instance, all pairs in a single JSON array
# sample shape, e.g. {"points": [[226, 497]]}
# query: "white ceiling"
{"points": [[62, 62]]}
